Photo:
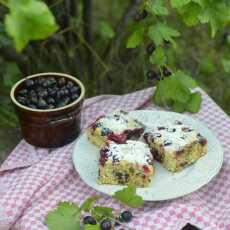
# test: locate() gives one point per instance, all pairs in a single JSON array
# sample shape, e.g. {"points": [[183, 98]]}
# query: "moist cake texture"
{"points": [[175, 145], [117, 127], [130, 163]]}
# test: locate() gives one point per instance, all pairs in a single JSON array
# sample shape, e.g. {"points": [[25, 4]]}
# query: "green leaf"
{"points": [[106, 30], [91, 227], [185, 79], [156, 7], [100, 212], [29, 20], [160, 32], [194, 103], [217, 14], [129, 197], [11, 74], [190, 13], [158, 57], [158, 95], [136, 37], [179, 3], [226, 65], [178, 107], [175, 90], [65, 216], [88, 203]]}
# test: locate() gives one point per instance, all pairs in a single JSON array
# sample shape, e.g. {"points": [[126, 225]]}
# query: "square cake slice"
{"points": [[126, 164], [175, 145], [117, 127]]}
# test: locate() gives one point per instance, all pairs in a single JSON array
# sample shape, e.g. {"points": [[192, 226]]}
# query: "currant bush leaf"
{"points": [[88, 203], [190, 13], [174, 92], [106, 30], [158, 95], [194, 103], [179, 3], [129, 197], [178, 107], [136, 37], [162, 32], [29, 20], [91, 227], [185, 79], [156, 7], [217, 14], [65, 216], [158, 57], [101, 212]]}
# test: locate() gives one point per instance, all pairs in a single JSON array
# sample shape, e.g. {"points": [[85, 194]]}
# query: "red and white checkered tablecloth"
{"points": [[34, 180]]}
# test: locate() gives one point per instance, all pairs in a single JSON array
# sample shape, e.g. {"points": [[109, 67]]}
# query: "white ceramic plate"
{"points": [[165, 185]]}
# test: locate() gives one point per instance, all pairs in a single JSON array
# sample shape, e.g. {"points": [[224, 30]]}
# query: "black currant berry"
{"points": [[29, 83], [60, 94], [116, 224], [166, 72], [150, 48], [40, 81], [42, 104], [34, 99], [225, 37], [69, 85], [32, 106], [43, 93], [140, 15], [21, 100], [74, 97], [89, 220], [22, 92], [152, 75], [106, 224], [52, 92], [63, 102], [74, 90], [61, 81], [51, 101], [126, 216]]}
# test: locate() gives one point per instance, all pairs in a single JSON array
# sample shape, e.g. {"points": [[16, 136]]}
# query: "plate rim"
{"points": [[165, 198]]}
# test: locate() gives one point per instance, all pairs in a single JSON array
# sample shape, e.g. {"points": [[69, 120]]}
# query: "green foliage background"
{"points": [[90, 43]]}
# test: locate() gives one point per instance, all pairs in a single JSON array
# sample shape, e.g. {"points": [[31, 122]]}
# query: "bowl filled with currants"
{"points": [[49, 108]]}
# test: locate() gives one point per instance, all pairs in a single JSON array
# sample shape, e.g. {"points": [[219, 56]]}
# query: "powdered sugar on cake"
{"points": [[132, 151], [173, 136], [118, 122]]}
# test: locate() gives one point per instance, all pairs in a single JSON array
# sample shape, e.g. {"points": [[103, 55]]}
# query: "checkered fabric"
{"points": [[34, 180]]}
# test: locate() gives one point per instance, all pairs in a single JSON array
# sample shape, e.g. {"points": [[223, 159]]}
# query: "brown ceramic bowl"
{"points": [[52, 127]]}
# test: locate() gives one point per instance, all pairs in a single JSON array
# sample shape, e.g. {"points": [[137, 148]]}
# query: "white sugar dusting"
{"points": [[176, 135], [118, 122], [132, 151]]}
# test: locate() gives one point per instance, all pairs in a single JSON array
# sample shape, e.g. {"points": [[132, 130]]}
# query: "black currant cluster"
{"points": [[225, 37], [108, 224], [151, 74], [140, 15], [48, 92]]}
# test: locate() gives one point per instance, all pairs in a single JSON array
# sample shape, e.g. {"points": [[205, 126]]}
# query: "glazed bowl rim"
{"points": [[80, 98]]}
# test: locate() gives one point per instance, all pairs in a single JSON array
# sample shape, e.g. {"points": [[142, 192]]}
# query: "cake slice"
{"points": [[117, 127], [175, 145], [130, 163]]}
